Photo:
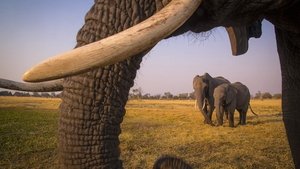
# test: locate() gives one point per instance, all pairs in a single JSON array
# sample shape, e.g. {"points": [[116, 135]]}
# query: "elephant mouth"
{"points": [[118, 47]]}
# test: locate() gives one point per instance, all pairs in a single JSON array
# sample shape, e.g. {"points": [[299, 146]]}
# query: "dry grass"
{"points": [[153, 128], [28, 130]]}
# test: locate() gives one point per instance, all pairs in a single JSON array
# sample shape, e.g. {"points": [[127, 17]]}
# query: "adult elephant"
{"points": [[204, 87], [93, 102]]}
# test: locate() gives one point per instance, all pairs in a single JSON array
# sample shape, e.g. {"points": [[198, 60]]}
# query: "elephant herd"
{"points": [[218, 93]]}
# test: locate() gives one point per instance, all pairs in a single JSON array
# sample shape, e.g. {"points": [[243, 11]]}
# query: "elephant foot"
{"points": [[231, 125], [209, 122]]}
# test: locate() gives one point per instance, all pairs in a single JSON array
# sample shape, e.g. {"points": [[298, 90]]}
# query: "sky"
{"points": [[33, 30]]}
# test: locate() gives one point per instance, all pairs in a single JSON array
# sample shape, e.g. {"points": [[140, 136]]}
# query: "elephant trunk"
{"points": [[202, 106], [93, 103], [219, 114]]}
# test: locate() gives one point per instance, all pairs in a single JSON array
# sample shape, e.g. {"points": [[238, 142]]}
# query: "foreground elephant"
{"points": [[93, 103], [231, 97], [204, 87]]}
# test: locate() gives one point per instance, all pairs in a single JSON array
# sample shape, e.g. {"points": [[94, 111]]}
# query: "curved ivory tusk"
{"points": [[50, 86], [117, 47], [204, 104]]}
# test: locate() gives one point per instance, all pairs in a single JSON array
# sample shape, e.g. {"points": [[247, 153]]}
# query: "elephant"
{"points": [[204, 89], [109, 50], [231, 97]]}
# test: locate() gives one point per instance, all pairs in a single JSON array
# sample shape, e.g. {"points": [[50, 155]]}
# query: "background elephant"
{"points": [[231, 97], [204, 87], [93, 103]]}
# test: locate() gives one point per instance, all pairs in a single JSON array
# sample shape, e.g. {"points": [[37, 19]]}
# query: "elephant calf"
{"points": [[227, 98]]}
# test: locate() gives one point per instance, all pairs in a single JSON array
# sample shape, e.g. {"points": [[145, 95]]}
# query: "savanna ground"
{"points": [[28, 135]]}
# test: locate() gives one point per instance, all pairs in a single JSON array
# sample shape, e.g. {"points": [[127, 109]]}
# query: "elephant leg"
{"points": [[244, 117], [231, 119], [210, 110], [226, 115], [219, 115], [288, 46], [241, 117]]}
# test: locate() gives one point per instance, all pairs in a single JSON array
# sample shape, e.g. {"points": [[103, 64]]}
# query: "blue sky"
{"points": [[33, 30]]}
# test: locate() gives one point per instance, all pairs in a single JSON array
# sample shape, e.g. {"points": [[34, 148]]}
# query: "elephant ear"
{"points": [[231, 93]]}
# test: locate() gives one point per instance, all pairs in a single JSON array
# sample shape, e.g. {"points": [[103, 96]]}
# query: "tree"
{"points": [[45, 94], [258, 95], [5, 93], [266, 95], [167, 95], [183, 96], [146, 96], [192, 95], [136, 93], [277, 96], [36, 94]]}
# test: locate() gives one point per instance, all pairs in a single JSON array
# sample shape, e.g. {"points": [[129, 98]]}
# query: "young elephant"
{"points": [[229, 97]]}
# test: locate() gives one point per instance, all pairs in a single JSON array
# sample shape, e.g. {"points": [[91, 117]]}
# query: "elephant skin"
{"points": [[231, 97], [203, 89]]}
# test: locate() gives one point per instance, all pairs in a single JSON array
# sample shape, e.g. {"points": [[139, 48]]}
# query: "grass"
{"points": [[28, 130]]}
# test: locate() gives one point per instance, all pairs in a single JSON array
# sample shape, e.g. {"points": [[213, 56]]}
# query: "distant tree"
{"points": [[137, 93], [192, 95], [277, 96], [27, 94], [146, 96], [21, 94], [175, 97], [58, 95], [53, 94], [45, 94], [5, 93], [168, 95], [266, 95], [183, 96], [258, 95], [156, 97], [36, 94]]}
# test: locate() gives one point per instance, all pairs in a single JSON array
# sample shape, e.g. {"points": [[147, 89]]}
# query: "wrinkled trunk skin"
{"points": [[288, 46], [93, 103]]}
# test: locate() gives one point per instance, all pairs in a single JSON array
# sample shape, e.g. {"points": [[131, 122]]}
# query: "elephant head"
{"points": [[111, 44]]}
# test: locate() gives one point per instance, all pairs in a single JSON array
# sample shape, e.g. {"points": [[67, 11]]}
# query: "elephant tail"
{"points": [[252, 110], [166, 161]]}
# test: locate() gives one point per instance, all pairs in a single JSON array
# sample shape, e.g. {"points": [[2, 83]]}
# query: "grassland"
{"points": [[28, 130]]}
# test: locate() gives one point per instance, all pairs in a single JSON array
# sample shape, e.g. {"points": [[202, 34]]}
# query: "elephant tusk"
{"points": [[115, 48], [50, 86], [204, 104]]}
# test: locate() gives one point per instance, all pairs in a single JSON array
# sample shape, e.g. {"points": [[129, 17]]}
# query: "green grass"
{"points": [[28, 130], [28, 135]]}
